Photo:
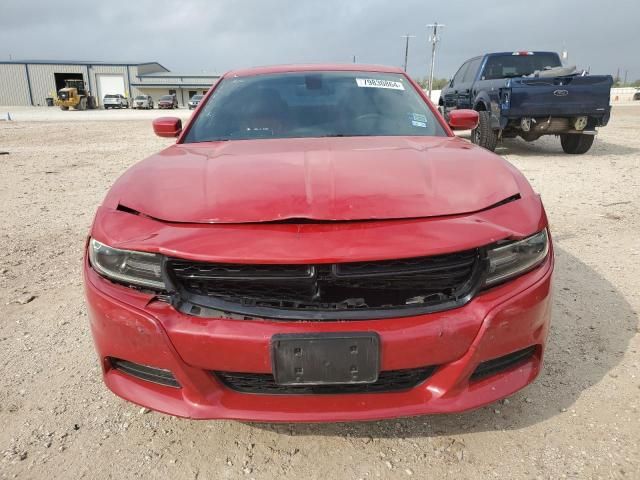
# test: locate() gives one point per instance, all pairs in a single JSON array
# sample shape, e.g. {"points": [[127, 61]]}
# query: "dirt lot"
{"points": [[580, 419]]}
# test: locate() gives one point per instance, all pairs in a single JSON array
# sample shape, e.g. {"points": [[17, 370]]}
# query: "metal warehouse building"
{"points": [[30, 82]]}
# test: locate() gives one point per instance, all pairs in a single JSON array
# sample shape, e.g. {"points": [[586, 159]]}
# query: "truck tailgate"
{"points": [[560, 96]]}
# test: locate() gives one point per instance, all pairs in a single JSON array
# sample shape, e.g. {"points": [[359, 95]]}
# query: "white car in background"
{"points": [[143, 101], [195, 101], [115, 100]]}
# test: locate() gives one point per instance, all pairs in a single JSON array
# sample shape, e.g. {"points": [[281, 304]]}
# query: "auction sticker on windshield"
{"points": [[377, 83]]}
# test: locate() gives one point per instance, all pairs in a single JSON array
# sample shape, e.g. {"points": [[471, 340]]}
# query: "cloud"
{"points": [[200, 35]]}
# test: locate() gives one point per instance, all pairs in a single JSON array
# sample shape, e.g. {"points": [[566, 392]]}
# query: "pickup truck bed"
{"points": [[559, 96]]}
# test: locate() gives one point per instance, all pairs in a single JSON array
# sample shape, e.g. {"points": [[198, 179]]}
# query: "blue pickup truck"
{"points": [[530, 94]]}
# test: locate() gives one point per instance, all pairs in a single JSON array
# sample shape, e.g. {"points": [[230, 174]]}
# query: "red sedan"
{"points": [[319, 246]]}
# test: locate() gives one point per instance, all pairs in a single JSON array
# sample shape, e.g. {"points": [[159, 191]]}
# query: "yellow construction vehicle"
{"points": [[75, 95]]}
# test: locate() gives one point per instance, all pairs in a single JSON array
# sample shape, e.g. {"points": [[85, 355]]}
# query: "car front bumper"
{"points": [[136, 327]]}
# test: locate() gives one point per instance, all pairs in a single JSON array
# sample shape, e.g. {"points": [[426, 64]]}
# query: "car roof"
{"points": [[329, 67], [535, 52]]}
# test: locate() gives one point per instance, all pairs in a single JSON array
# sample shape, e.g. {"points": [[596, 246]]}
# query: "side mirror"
{"points": [[167, 126], [463, 119]]}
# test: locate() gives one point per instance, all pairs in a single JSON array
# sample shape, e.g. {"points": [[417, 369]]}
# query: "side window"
{"points": [[457, 78], [470, 74]]}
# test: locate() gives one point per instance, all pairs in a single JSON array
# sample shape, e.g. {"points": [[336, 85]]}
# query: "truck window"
{"points": [[472, 69], [457, 78], [509, 65]]}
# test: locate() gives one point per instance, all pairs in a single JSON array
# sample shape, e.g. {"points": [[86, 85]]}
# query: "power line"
{"points": [[434, 39], [406, 49]]}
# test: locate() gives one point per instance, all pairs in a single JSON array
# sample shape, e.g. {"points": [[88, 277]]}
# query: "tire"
{"points": [[62, 107], [82, 105], [576, 143], [483, 135]]}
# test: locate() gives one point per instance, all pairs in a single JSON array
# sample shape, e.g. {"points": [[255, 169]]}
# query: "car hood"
{"points": [[321, 179]]}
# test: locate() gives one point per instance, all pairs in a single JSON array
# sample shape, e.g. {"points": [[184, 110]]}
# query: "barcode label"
{"points": [[377, 83]]}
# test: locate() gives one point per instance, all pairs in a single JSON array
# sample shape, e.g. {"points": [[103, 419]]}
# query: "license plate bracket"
{"points": [[325, 358]]}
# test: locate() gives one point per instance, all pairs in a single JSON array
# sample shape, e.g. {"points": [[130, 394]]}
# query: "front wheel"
{"points": [[483, 135], [576, 143]]}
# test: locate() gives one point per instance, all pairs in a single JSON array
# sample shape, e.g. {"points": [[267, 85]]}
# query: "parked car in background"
{"points": [[168, 101], [195, 101], [143, 101], [319, 246], [530, 94], [115, 100]]}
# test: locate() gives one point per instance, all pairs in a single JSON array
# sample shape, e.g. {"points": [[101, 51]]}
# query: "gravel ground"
{"points": [[580, 419]]}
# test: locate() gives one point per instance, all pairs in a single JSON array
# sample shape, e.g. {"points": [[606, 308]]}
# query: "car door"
{"points": [[464, 87], [451, 93]]}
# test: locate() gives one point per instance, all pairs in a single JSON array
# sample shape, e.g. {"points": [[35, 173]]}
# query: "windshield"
{"points": [[509, 65], [166, 97], [197, 97], [111, 96], [313, 104], [141, 97]]}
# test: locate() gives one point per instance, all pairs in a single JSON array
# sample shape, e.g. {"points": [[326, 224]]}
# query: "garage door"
{"points": [[110, 84]]}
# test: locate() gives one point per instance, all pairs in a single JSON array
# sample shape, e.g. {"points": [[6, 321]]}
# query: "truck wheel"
{"points": [[62, 107], [483, 135], [576, 143]]}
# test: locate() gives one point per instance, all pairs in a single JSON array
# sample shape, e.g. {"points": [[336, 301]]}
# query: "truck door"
{"points": [[451, 92], [464, 87]]}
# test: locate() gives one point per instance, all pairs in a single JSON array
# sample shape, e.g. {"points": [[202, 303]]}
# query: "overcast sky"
{"points": [[217, 35]]}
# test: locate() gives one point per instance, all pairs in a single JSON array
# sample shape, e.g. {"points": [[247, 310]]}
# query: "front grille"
{"points": [[437, 281], [491, 367], [264, 383]]}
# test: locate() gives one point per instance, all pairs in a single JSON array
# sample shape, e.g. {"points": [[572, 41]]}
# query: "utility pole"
{"points": [[406, 49], [625, 78], [354, 59], [434, 38]]}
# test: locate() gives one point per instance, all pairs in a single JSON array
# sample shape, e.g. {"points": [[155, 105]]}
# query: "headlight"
{"points": [[513, 259], [125, 266]]}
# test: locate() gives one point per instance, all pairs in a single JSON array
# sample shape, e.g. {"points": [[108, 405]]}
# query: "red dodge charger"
{"points": [[319, 246]]}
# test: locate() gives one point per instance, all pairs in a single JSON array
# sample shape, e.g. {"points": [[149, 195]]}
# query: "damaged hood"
{"points": [[321, 179]]}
